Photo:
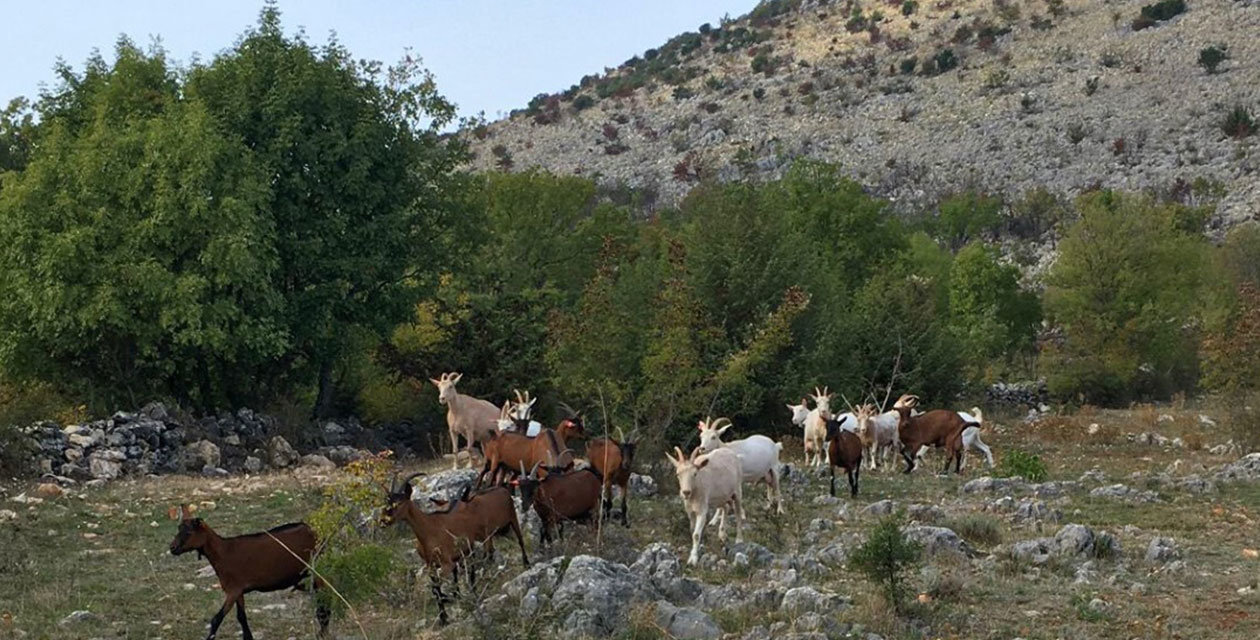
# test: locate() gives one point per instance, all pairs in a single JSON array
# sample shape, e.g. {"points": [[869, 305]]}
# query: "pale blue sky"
{"points": [[488, 55]]}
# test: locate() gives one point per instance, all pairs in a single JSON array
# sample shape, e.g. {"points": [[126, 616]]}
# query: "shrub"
{"points": [[615, 149], [1239, 123], [1076, 132], [909, 7], [764, 63], [583, 102], [1211, 57], [759, 93], [977, 528], [945, 60], [683, 93], [1021, 464], [907, 65], [886, 558], [610, 131], [1091, 85], [1164, 10], [503, 157], [1243, 420]]}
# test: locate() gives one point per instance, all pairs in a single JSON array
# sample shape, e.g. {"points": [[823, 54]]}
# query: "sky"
{"points": [[488, 56]]}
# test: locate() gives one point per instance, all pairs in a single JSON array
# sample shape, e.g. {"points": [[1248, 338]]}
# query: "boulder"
{"points": [[1162, 550], [642, 486], [658, 564], [103, 468], [987, 484], [281, 454], [318, 462], [881, 508], [936, 539], [252, 464], [200, 454], [808, 599], [444, 485], [604, 588], [685, 623]]}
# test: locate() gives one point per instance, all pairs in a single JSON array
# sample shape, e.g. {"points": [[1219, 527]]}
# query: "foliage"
{"points": [[1017, 463], [943, 61], [17, 130], [1037, 212], [887, 558], [174, 235], [1125, 291], [909, 7], [992, 315], [1239, 123], [1231, 348], [347, 557], [966, 216], [1164, 9], [1243, 421], [977, 528], [583, 102], [1212, 56]]}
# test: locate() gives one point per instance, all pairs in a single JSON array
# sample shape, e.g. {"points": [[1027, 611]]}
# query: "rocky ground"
{"points": [[1144, 527], [1066, 95]]}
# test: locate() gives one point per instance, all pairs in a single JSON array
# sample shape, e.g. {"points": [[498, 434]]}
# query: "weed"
{"points": [[1239, 123], [886, 558], [977, 528], [1021, 464], [1211, 57]]}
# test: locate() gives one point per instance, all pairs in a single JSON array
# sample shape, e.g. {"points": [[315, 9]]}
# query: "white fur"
{"points": [[758, 457], [706, 483], [473, 418]]}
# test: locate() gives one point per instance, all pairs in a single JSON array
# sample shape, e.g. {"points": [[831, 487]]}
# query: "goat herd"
{"points": [[520, 454]]}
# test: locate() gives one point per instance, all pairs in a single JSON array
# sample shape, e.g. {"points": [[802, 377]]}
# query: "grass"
{"points": [[121, 570]]}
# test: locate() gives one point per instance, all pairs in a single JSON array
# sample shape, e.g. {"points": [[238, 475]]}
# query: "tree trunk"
{"points": [[323, 401]]}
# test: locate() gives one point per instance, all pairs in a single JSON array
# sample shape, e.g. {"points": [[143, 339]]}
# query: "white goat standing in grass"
{"points": [[705, 483], [473, 418], [878, 432], [758, 456], [816, 427]]}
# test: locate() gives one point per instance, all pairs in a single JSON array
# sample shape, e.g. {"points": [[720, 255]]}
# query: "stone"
{"points": [[936, 539], [1035, 510], [104, 469], [925, 512], [280, 454], [686, 623], [1035, 552], [7, 515], [214, 472], [541, 578], [444, 485], [605, 588], [1074, 539], [659, 565], [1124, 492], [642, 486], [758, 555], [806, 599], [318, 462], [252, 464], [80, 617], [881, 508], [1162, 550], [201, 454], [986, 484], [49, 491]]}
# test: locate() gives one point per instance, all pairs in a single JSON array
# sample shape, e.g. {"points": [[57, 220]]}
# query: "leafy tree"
{"points": [[17, 127], [992, 314], [966, 216], [1124, 291], [887, 558]]}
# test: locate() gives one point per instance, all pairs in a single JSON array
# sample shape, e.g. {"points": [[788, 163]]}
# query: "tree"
{"points": [[992, 315], [1125, 292], [228, 233], [966, 216], [17, 126]]}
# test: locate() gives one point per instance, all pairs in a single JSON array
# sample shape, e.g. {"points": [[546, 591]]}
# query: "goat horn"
{"points": [[407, 481], [567, 409], [719, 422], [681, 457], [621, 435]]}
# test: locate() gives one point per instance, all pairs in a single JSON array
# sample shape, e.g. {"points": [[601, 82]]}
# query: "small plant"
{"points": [[996, 78], [714, 83], [943, 61], [1211, 57], [583, 102], [909, 7], [1239, 123], [764, 63], [503, 157], [683, 93], [977, 528], [610, 131], [1118, 146], [1153, 14], [1076, 132], [1021, 464], [886, 558], [1091, 85], [908, 65], [615, 149], [759, 93]]}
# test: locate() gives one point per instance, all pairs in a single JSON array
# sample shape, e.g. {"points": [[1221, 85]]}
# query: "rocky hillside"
{"points": [[920, 100]]}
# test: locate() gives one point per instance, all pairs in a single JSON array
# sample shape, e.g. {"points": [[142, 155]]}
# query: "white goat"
{"points": [[799, 412], [816, 427], [473, 418], [521, 415], [878, 432], [705, 483], [758, 456]]}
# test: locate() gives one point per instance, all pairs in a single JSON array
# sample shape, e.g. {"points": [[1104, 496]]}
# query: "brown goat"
{"points": [[937, 428], [559, 496], [844, 450], [445, 538], [252, 562], [508, 452], [612, 459]]}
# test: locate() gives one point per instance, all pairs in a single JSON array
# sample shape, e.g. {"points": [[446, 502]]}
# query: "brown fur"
{"points": [[560, 496], [612, 459], [844, 450], [508, 452], [937, 428]]}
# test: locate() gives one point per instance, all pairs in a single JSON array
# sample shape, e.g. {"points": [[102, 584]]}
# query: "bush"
{"points": [[1021, 464], [1243, 422], [886, 558], [683, 93], [583, 102], [1164, 10], [764, 63], [759, 93], [907, 66], [1211, 57], [909, 7], [944, 60], [977, 528], [1239, 123]]}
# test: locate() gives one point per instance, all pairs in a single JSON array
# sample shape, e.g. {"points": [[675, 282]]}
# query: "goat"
{"points": [[520, 414], [560, 496], [444, 538], [758, 456], [799, 412], [816, 426], [970, 438], [473, 418], [706, 482], [878, 432], [844, 450], [269, 561], [612, 459], [509, 451], [937, 428]]}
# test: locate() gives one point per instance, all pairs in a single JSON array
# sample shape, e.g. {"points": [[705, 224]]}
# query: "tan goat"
{"points": [[474, 419]]}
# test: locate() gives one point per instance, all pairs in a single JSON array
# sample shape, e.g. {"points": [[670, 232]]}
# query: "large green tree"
{"points": [[1126, 292], [227, 233]]}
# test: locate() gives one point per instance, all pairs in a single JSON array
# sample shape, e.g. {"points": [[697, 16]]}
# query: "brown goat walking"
{"points": [[612, 459], [844, 450], [937, 428], [445, 538], [508, 452], [252, 562], [560, 496]]}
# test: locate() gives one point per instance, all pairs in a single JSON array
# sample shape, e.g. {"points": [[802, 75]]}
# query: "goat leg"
{"points": [[520, 540], [625, 512], [909, 460], [853, 480], [697, 527], [831, 469], [223, 611], [240, 617], [435, 585]]}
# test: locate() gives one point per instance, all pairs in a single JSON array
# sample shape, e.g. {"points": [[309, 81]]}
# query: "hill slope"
{"points": [[1063, 95]]}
